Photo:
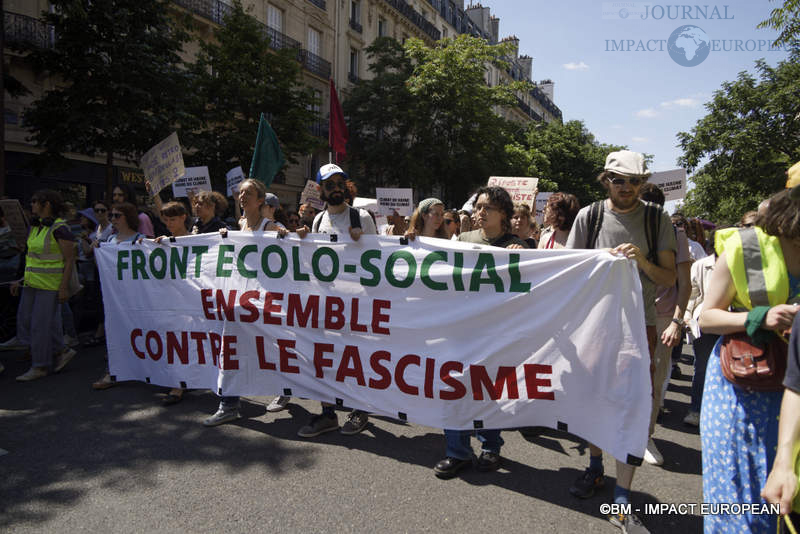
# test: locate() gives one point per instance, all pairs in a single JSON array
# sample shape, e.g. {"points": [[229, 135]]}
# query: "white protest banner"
{"points": [[520, 189], [194, 179], [234, 177], [672, 183], [311, 195], [437, 332], [397, 199], [163, 164], [541, 202], [16, 220]]}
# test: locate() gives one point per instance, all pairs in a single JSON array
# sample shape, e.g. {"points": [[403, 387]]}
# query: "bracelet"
{"points": [[677, 322]]}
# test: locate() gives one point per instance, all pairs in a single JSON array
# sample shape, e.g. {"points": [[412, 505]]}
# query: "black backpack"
{"points": [[652, 226]]}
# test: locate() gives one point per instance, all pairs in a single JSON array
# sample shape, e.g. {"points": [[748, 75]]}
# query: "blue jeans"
{"points": [[702, 350], [39, 325], [458, 442]]}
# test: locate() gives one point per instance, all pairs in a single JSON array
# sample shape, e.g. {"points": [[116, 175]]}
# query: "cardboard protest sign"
{"points": [[390, 200], [163, 164], [16, 219], [672, 183], [194, 179], [541, 202], [234, 177], [311, 195], [520, 189]]}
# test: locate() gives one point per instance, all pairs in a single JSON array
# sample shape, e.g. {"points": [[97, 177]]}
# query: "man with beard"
{"points": [[624, 224], [338, 217]]}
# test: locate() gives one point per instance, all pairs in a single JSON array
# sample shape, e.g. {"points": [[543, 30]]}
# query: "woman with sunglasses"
{"points": [[427, 220], [49, 262], [125, 193], [451, 223], [125, 221]]}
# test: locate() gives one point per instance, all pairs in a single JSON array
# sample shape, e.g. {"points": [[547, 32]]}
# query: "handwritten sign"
{"points": [[311, 195], [194, 179], [672, 183], [234, 177], [398, 199], [520, 189], [163, 164], [541, 202]]}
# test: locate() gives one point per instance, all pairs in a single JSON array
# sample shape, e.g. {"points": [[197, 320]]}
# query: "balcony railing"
{"points": [[418, 20], [314, 64], [356, 26], [213, 10], [23, 30], [319, 3], [279, 41]]}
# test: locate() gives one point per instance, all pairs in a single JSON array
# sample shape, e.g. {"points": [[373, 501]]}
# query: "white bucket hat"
{"points": [[627, 163]]}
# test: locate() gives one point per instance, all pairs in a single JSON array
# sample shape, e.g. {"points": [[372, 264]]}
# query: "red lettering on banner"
{"points": [[229, 350], [383, 372], [208, 305], [225, 306], [334, 318], [285, 355], [155, 356], [246, 302], [199, 337], [505, 376], [270, 308], [399, 371], [134, 334], [459, 389], [295, 310], [356, 371], [180, 348], [216, 345], [262, 357], [533, 382], [354, 326], [377, 306], [430, 370], [319, 357]]}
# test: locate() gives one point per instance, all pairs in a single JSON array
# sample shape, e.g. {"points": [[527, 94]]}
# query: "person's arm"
{"points": [[68, 252], [782, 480], [156, 198], [672, 334], [693, 296], [661, 276]]}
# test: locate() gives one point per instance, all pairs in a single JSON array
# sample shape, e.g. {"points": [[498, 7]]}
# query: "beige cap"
{"points": [[627, 163]]}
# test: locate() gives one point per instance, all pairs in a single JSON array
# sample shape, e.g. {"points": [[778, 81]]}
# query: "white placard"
{"points": [[520, 189], [195, 179], [234, 177], [163, 164], [311, 195], [672, 183], [390, 200], [541, 202]]}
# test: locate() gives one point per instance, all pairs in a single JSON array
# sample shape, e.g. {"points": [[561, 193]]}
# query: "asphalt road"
{"points": [[80, 460]]}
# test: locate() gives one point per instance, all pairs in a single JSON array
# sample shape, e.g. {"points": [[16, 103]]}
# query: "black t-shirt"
{"points": [[792, 378], [211, 226]]}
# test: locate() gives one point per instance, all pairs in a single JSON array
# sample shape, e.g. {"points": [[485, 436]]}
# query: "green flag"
{"points": [[267, 156]]}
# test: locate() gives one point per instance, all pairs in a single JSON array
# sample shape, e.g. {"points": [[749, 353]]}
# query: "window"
{"points": [[355, 11], [383, 28], [444, 31], [314, 40], [353, 62], [274, 18]]}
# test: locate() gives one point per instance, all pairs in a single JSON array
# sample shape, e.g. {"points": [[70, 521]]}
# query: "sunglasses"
{"points": [[116, 215], [622, 181], [330, 185], [100, 210]]}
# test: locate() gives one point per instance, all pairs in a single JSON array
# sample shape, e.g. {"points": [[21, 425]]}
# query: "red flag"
{"points": [[337, 130]]}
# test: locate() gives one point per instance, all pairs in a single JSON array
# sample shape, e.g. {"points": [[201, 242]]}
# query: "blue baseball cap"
{"points": [[326, 171]]}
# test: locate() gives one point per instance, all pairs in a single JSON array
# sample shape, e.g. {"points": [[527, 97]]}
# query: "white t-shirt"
{"points": [[339, 223]]}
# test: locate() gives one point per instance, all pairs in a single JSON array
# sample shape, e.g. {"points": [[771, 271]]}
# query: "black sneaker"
{"points": [[586, 484], [449, 467], [319, 425], [356, 422], [488, 461]]}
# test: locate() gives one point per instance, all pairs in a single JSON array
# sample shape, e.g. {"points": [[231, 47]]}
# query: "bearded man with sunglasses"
{"points": [[620, 224]]}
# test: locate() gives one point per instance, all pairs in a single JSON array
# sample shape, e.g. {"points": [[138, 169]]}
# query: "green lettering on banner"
{"points": [[198, 252], [297, 274], [371, 268], [430, 259], [485, 261], [458, 264], [241, 266], [513, 271], [412, 268], [121, 263], [265, 261], [318, 254], [138, 261], [161, 271], [178, 259], [223, 260]]}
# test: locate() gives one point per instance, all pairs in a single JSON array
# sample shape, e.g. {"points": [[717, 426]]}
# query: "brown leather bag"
{"points": [[752, 368]]}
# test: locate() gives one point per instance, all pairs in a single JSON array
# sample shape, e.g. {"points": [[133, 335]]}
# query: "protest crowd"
{"points": [[700, 284]]}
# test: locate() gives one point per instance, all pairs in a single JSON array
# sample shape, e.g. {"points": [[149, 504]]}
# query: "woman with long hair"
{"points": [[427, 220], [125, 193], [559, 214]]}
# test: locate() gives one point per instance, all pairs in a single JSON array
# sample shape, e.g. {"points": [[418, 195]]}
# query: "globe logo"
{"points": [[623, 13], [688, 46]]}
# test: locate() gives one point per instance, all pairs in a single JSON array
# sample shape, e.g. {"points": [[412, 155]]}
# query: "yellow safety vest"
{"points": [[757, 267], [44, 264]]}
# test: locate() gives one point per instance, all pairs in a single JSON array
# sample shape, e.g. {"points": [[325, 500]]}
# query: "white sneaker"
{"points": [[70, 341], [34, 373], [651, 454], [692, 419], [63, 359], [278, 404], [13, 344]]}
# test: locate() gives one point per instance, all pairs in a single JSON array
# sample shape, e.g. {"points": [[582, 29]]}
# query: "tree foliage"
{"points": [[236, 77], [745, 143], [119, 79], [786, 20]]}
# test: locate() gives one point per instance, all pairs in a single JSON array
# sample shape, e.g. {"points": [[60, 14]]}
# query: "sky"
{"points": [[641, 99]]}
